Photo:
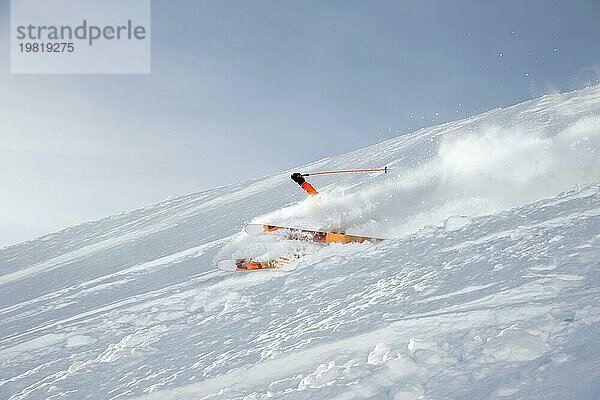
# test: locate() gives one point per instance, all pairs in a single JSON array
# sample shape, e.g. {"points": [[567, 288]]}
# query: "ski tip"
{"points": [[253, 229], [228, 265], [257, 229]]}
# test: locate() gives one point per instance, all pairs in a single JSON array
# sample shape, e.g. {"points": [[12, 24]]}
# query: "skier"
{"points": [[291, 233], [308, 188]]}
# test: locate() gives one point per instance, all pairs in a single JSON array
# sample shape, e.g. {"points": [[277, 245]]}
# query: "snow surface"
{"points": [[489, 286]]}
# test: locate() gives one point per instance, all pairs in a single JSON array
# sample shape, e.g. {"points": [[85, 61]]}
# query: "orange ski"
{"points": [[308, 235], [249, 264]]}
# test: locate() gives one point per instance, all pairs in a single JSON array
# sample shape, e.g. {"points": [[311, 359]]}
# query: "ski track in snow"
{"points": [[489, 286]]}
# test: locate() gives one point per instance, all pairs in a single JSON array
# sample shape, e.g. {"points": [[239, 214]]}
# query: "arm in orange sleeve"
{"points": [[308, 188]]}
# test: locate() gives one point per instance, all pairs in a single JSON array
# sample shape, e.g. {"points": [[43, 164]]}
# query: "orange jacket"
{"points": [[308, 188]]}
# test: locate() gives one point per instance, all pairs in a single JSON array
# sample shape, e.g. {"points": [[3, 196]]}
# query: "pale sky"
{"points": [[241, 89]]}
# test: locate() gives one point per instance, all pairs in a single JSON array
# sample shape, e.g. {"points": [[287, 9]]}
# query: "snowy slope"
{"points": [[489, 286]]}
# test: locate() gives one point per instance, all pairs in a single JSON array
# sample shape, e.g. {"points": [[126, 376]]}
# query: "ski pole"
{"points": [[343, 171]]}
